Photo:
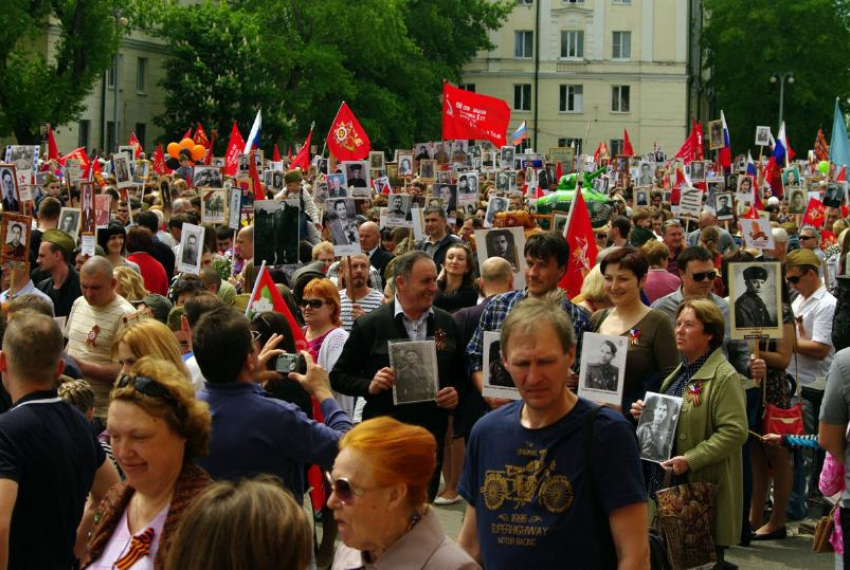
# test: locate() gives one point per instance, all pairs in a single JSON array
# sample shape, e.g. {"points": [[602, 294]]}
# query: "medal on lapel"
{"points": [[634, 336], [440, 339], [695, 393], [91, 338]]}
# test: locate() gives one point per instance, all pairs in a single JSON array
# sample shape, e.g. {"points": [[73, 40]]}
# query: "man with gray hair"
{"points": [[810, 239], [584, 457], [95, 319]]}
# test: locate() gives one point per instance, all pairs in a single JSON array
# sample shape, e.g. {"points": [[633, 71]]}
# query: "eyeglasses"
{"points": [[312, 303], [794, 279], [703, 275], [255, 336], [144, 385], [343, 488]]}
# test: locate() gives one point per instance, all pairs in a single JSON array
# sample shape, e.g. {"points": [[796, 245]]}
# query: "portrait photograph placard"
{"points": [[16, 238], [121, 170], [357, 177], [25, 159], [642, 197], [656, 429], [496, 382], [790, 177], [337, 185], [723, 206], [9, 186], [376, 160], [559, 223], [405, 164], [213, 205], [191, 248], [208, 177], [414, 363], [507, 243], [690, 203], [88, 226], [506, 157], [495, 205], [757, 234], [343, 228], [398, 211], [755, 298], [276, 229], [745, 190], [428, 170], [101, 210], [715, 135], [235, 210], [762, 136], [603, 368], [797, 201], [69, 221]]}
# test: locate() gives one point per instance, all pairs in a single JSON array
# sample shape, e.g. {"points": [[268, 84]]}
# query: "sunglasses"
{"points": [[804, 238], [144, 385], [793, 279], [312, 303], [343, 488], [703, 275]]}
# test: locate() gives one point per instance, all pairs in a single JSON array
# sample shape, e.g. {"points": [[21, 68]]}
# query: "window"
{"points": [[616, 147], [620, 98], [142, 74], [467, 86], [112, 72], [141, 132], [523, 44], [522, 97], [83, 133], [622, 45], [571, 142], [571, 98], [626, 2], [110, 137], [572, 44], [573, 1]]}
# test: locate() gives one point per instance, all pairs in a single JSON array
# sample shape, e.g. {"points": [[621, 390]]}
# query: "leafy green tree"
{"points": [[747, 42], [35, 89]]}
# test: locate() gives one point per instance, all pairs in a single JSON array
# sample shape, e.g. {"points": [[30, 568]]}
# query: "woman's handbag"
{"points": [[783, 421], [823, 531], [686, 517]]}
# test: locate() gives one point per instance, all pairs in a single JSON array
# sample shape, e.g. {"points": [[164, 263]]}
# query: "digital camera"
{"points": [[287, 363]]}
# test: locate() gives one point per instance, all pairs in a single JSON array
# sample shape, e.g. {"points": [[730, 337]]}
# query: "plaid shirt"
{"points": [[497, 311]]}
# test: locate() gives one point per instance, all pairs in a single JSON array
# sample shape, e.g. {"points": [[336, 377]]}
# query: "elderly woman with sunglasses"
{"points": [[380, 500], [157, 428]]}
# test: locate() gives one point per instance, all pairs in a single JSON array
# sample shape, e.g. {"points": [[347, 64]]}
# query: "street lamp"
{"points": [[782, 78], [121, 23]]}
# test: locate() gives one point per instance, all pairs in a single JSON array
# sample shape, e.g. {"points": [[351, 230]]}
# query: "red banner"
{"points": [[159, 161], [347, 140], [815, 213], [582, 242], [302, 159], [234, 149], [468, 115]]}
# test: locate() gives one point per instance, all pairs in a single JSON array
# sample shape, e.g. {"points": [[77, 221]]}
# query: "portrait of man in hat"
{"points": [[355, 176], [751, 311]]}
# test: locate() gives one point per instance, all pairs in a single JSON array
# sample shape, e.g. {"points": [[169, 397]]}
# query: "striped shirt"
{"points": [[368, 303], [90, 331]]}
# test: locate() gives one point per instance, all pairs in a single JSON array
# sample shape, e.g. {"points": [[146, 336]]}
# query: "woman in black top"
{"points": [[456, 281]]}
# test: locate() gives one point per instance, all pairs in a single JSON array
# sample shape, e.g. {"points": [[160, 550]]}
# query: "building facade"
{"points": [[580, 71]]}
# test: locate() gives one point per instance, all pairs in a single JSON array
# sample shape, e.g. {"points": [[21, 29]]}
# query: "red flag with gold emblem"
{"points": [[815, 213], [347, 140], [201, 137], [580, 238]]}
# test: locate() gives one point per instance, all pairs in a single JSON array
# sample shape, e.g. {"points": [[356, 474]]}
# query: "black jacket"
{"points": [[379, 260]]}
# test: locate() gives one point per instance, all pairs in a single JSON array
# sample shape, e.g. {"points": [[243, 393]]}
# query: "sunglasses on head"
{"points": [[144, 385], [343, 489], [703, 275], [312, 303]]}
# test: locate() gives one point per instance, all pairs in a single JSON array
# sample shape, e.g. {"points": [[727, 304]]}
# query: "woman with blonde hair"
{"points": [[129, 284], [148, 338], [380, 500], [245, 525], [593, 296]]}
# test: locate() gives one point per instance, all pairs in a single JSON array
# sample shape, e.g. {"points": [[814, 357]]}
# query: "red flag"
{"points": [[159, 161], [347, 140], [627, 144], [265, 297], [821, 148], [289, 154], [559, 171], [80, 154], [302, 159], [234, 149], [201, 137], [697, 128], [601, 153], [52, 149], [209, 154], [137, 146], [580, 238], [468, 115], [752, 213], [97, 172], [188, 134], [259, 193], [815, 213], [676, 193], [842, 175], [691, 149], [276, 154]]}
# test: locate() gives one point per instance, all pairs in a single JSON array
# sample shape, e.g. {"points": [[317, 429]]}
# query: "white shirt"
{"points": [[416, 330], [28, 289], [120, 542], [817, 312]]}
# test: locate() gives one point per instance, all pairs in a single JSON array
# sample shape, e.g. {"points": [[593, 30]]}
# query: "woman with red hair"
{"points": [[380, 500]]}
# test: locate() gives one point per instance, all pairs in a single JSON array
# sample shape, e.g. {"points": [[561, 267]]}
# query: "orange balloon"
{"points": [[187, 143], [198, 152], [174, 150]]}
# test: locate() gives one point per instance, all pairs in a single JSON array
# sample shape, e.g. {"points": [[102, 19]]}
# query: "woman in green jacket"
{"points": [[713, 420]]}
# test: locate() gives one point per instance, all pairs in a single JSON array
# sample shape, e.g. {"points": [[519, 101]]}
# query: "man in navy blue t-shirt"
{"points": [[535, 501]]}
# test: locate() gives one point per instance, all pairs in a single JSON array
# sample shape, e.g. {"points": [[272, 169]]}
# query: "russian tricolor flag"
{"points": [[724, 155], [782, 151], [253, 140], [520, 134]]}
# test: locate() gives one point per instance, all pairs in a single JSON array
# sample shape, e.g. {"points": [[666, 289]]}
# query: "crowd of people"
{"points": [[148, 421]]}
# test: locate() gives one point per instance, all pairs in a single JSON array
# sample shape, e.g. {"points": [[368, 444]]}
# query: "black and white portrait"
{"points": [[467, 182], [422, 151], [376, 160], [697, 171], [343, 228], [755, 298], [405, 164], [25, 159], [427, 169], [656, 430], [214, 206], [723, 206], [336, 185], [207, 177], [459, 154], [357, 178], [603, 368], [69, 221], [191, 248], [11, 202], [447, 193], [495, 205], [474, 153], [121, 170], [503, 182], [645, 174], [415, 367], [559, 222], [762, 136], [507, 157], [398, 210], [835, 194], [746, 190], [276, 229], [496, 381], [507, 243], [16, 232], [642, 197], [243, 166]]}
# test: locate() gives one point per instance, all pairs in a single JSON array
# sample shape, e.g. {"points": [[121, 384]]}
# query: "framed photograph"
{"points": [[644, 177], [427, 170], [102, 204], [234, 194], [209, 177], [243, 166], [723, 206], [25, 159], [398, 211], [656, 430], [835, 195], [459, 154], [69, 221], [190, 250], [415, 365], [474, 153], [214, 205], [336, 185], [507, 243], [690, 203], [495, 205], [642, 197], [447, 193], [496, 382], [276, 231], [405, 164], [755, 296], [715, 134], [16, 238], [790, 177], [376, 160], [602, 372], [757, 234], [745, 190], [698, 171], [762, 136], [357, 177], [559, 222], [441, 151], [797, 201], [343, 229], [467, 182], [121, 170], [88, 225], [506, 157], [9, 184], [422, 151]]}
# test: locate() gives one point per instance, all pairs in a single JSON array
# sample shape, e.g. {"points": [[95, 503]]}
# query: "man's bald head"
{"points": [[707, 219], [496, 276], [97, 266], [370, 236]]}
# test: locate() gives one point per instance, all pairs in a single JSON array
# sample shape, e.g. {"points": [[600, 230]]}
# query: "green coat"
{"points": [[711, 435]]}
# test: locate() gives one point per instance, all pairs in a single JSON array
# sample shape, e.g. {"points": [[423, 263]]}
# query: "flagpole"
{"points": [[256, 286]]}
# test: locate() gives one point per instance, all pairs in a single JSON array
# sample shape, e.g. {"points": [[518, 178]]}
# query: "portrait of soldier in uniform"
{"points": [[603, 375], [750, 309]]}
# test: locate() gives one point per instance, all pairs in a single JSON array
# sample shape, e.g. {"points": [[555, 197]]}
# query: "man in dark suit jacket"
{"points": [[363, 367]]}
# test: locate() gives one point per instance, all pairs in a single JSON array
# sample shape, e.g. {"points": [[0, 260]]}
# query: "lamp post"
{"points": [[121, 22], [782, 78]]}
